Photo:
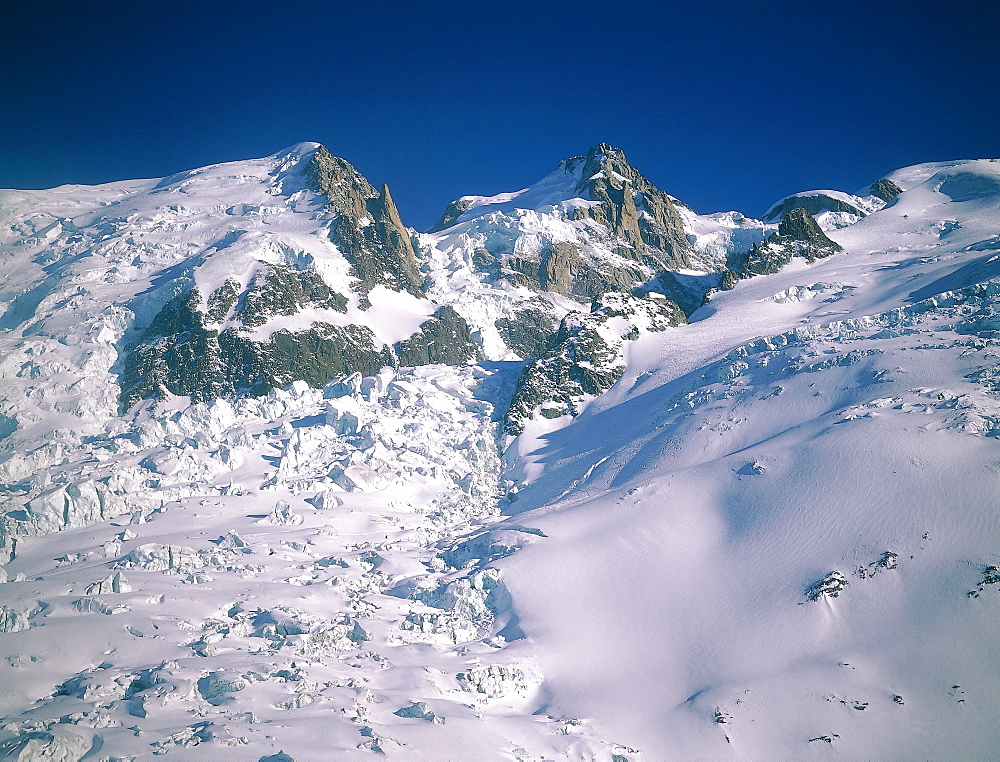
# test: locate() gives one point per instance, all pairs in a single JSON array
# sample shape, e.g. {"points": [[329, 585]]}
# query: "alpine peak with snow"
{"points": [[577, 473]]}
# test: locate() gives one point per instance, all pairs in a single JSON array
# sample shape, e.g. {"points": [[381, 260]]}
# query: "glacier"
{"points": [[577, 473]]}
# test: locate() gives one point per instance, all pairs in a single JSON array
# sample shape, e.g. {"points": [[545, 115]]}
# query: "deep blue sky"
{"points": [[727, 105]]}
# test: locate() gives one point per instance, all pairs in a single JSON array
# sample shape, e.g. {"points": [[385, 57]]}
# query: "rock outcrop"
{"points": [[205, 352], [585, 356], [451, 213], [885, 189], [815, 202], [642, 231], [798, 236], [633, 208], [528, 331], [444, 338]]}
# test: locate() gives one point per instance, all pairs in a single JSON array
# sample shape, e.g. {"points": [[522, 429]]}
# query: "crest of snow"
{"points": [[866, 204], [551, 191]]}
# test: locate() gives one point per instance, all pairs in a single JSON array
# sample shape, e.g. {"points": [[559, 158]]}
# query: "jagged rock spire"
{"points": [[368, 230]]}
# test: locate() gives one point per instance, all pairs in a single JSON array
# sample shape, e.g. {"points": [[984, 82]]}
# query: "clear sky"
{"points": [[726, 105]]}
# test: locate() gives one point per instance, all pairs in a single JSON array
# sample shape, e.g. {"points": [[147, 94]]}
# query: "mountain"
{"points": [[579, 472]]}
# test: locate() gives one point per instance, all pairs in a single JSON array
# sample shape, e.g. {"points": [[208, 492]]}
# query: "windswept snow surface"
{"points": [[744, 457], [775, 537]]}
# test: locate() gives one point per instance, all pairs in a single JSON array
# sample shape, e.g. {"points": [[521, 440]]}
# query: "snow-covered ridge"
{"points": [[831, 209]]}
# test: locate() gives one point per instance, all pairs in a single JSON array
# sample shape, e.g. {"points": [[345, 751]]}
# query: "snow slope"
{"points": [[772, 538], [734, 472]]}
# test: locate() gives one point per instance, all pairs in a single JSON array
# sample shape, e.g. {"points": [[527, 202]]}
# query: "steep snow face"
{"points": [[766, 533]]}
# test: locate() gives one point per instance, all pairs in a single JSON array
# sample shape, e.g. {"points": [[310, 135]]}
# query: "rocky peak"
{"points": [[799, 225], [632, 207], [368, 230], [345, 189], [603, 158]]}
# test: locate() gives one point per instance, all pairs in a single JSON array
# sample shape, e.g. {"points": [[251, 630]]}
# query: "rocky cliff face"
{"points": [[595, 226], [885, 189], [632, 207], [445, 338], [206, 352], [367, 229], [585, 357], [205, 349]]}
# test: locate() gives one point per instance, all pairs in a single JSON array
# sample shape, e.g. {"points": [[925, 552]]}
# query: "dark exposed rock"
{"points": [[728, 281], [590, 283], [281, 290], [642, 220], [559, 264], [689, 292], [208, 354], [585, 357], [563, 271], [765, 259], [528, 333], [178, 354], [222, 301], [885, 189], [368, 230], [625, 195], [798, 236], [444, 338], [317, 355], [520, 271], [345, 189], [799, 225], [485, 261]]}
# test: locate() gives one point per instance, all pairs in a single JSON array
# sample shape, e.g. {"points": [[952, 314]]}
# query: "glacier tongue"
{"points": [[323, 591]]}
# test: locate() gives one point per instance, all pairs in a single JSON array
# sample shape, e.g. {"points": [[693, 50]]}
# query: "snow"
{"points": [[771, 539], [695, 561], [553, 190]]}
